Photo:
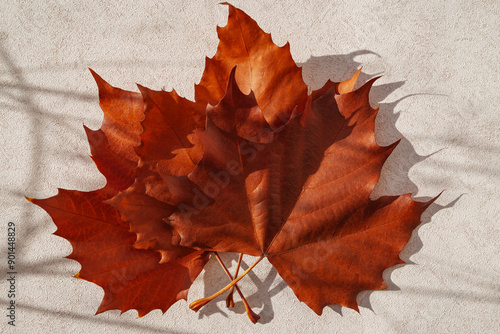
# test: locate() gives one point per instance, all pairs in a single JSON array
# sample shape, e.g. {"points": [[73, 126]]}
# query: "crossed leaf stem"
{"points": [[198, 304], [229, 298], [251, 314]]}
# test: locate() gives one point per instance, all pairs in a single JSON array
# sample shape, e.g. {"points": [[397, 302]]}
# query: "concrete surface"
{"points": [[439, 90]]}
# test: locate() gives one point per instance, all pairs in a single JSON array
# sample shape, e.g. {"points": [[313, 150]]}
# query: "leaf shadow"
{"points": [[212, 278], [261, 299], [21, 97], [317, 70]]}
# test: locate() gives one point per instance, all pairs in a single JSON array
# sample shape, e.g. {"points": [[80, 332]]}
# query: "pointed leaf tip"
{"points": [[233, 91], [144, 90], [98, 79], [368, 85], [347, 86]]}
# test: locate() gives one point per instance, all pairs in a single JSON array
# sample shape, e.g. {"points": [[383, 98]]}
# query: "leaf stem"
{"points": [[229, 298], [197, 304], [251, 314]]}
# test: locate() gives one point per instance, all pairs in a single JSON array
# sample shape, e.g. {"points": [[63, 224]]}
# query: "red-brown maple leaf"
{"points": [[132, 274], [255, 165], [263, 67], [131, 278], [301, 197]]}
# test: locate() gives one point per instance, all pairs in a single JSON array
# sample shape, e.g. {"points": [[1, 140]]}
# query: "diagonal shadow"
{"points": [[89, 320], [21, 97]]}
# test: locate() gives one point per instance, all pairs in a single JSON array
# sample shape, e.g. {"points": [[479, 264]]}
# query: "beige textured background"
{"points": [[440, 91]]}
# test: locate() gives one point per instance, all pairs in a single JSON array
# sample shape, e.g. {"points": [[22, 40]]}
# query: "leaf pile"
{"points": [[256, 165]]}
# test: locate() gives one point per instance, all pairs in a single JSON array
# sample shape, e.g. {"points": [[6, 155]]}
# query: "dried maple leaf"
{"points": [[263, 67], [133, 276], [254, 165], [301, 196]]}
